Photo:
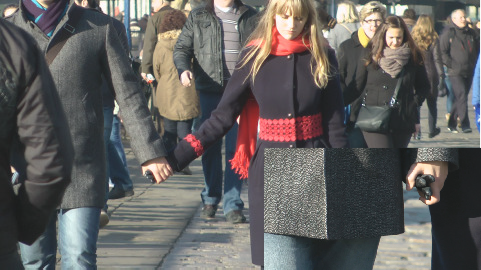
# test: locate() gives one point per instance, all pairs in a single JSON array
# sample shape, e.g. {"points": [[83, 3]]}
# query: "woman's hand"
{"points": [[159, 167], [439, 169]]}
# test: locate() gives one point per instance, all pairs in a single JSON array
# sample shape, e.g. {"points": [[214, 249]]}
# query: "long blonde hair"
{"points": [[263, 36], [423, 32]]}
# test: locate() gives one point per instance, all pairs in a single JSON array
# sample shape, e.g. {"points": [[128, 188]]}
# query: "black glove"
{"points": [[442, 87], [423, 184]]}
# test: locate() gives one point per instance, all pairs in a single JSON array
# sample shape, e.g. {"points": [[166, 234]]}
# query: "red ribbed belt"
{"points": [[290, 130]]}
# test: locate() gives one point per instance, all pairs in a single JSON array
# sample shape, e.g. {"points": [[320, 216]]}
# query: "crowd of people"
{"points": [[281, 85]]}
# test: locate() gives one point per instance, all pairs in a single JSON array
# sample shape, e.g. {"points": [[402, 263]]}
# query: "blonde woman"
{"points": [[286, 80], [427, 40], [347, 23]]}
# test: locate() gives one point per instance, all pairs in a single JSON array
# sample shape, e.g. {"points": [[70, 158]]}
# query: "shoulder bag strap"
{"points": [[349, 30], [64, 34], [398, 86]]}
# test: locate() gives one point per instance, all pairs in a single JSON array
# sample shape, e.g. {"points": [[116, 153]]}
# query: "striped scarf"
{"points": [[45, 18]]}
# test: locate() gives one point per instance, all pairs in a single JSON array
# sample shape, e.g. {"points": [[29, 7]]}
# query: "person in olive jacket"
{"points": [[393, 56], [34, 127], [208, 49]]}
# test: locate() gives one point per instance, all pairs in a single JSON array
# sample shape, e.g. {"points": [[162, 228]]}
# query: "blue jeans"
{"points": [[108, 115], [118, 171], [78, 230], [293, 252], [212, 163]]}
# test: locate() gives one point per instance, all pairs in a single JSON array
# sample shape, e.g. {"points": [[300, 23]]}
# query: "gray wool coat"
{"points": [[94, 49], [340, 193]]}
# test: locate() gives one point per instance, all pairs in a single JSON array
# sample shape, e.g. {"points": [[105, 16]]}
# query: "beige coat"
{"points": [[171, 98]]}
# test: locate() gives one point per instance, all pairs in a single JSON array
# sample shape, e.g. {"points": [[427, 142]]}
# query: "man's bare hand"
{"points": [[186, 77], [144, 76], [159, 167], [439, 169]]}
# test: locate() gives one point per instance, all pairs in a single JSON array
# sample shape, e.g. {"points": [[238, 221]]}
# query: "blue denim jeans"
{"points": [[449, 89], [108, 117], [293, 252], [212, 163], [118, 170], [78, 230]]}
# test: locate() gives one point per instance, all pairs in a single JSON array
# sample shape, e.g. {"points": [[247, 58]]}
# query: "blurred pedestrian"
{"points": [[176, 105], [393, 75], [34, 127], [208, 49], [428, 41], [409, 17], [371, 15], [81, 46], [459, 48], [476, 95], [285, 80], [160, 8], [347, 23]]}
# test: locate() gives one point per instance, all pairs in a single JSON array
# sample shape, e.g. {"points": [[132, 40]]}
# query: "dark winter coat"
{"points": [[459, 49], [201, 40], [336, 193], [150, 39], [377, 87], [34, 126], [285, 90], [94, 50], [349, 53], [433, 63]]}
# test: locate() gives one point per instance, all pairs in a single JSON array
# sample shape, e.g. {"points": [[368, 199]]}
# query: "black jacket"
{"points": [[32, 126], [349, 54], [433, 63], [377, 87], [459, 48], [201, 40]]}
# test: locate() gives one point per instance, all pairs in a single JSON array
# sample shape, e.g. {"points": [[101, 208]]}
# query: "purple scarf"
{"points": [[45, 19]]}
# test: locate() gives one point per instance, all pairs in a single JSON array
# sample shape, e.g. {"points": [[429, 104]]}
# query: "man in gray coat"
{"points": [[93, 49]]}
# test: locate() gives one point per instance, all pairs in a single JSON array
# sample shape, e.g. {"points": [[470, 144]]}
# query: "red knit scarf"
{"points": [[249, 117]]}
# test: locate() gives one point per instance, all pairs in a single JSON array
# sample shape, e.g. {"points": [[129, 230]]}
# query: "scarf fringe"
{"points": [[240, 164]]}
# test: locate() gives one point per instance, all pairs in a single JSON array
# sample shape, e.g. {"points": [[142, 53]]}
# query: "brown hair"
{"points": [[423, 32], [173, 20], [378, 42]]}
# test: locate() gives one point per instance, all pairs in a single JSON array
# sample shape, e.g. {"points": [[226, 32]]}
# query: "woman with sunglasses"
{"points": [[393, 56]]}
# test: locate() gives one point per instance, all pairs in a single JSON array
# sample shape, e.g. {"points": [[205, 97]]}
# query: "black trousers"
{"points": [[456, 219], [433, 112], [459, 109], [398, 139]]}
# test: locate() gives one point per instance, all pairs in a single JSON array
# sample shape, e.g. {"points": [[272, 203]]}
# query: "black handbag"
{"points": [[378, 118]]}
